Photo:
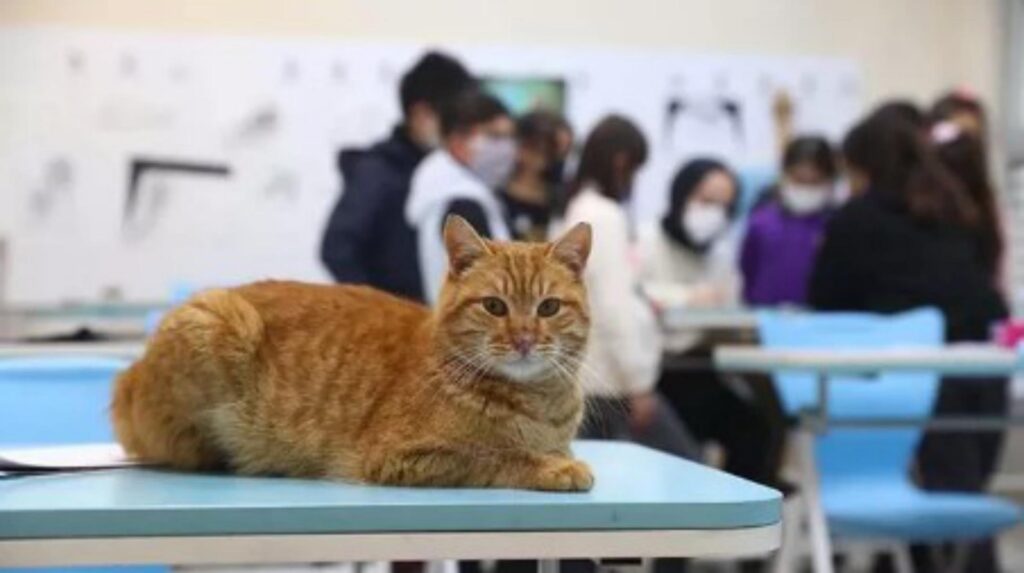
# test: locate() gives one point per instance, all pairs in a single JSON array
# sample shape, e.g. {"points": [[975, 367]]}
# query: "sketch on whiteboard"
{"points": [[261, 123], [54, 189], [76, 61], [142, 210], [715, 112], [282, 184]]}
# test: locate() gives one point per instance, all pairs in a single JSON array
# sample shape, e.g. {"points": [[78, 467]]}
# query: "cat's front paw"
{"points": [[564, 474]]}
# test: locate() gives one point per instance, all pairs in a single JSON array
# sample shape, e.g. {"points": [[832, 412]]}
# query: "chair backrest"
{"points": [[754, 180], [56, 400], [855, 453]]}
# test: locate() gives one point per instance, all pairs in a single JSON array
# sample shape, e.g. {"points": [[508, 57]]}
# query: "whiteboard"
{"points": [[80, 108]]}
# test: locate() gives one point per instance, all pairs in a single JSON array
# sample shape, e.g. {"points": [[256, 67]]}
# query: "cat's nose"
{"points": [[523, 343]]}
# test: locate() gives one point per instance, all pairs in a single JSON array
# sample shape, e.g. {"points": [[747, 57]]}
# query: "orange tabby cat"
{"points": [[293, 379]]}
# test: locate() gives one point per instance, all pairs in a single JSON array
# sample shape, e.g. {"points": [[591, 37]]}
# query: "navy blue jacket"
{"points": [[367, 240]]}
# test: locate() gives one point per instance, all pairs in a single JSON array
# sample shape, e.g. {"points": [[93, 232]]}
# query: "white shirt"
{"points": [[438, 181], [624, 353], [671, 274]]}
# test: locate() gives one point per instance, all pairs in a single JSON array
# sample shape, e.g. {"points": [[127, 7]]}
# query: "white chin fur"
{"points": [[523, 370]]}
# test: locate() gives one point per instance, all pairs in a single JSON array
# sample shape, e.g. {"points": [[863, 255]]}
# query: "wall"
{"points": [[913, 48]]}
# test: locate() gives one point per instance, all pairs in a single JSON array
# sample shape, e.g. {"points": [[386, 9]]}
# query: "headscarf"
{"points": [[684, 185]]}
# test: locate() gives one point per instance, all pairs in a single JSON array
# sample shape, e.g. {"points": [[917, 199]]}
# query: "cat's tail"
{"points": [[197, 358]]}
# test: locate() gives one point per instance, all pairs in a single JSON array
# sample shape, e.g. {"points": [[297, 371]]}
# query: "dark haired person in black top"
{"points": [[535, 193], [912, 237]]}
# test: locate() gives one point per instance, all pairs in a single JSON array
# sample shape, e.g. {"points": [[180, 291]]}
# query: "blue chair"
{"points": [[753, 181], [865, 486], [54, 401]]}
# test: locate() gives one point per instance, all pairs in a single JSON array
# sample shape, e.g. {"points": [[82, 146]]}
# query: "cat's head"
{"points": [[518, 310]]}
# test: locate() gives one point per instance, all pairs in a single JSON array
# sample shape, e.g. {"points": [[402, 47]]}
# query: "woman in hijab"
{"points": [[686, 263]]}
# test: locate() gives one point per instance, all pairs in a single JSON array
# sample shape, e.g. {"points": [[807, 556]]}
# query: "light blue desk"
{"points": [[119, 318], [703, 319], [129, 350], [961, 360], [645, 504]]}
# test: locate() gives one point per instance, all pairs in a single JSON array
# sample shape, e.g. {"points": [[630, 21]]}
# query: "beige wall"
{"points": [[911, 48]]}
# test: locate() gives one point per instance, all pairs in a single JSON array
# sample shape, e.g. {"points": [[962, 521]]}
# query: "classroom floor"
{"points": [[1011, 547], [1011, 551]]}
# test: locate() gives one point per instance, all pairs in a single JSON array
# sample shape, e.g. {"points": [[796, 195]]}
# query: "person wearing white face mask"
{"points": [[685, 259], [477, 156], [785, 231], [686, 263]]}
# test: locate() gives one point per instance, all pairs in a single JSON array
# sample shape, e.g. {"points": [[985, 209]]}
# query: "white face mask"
{"points": [[704, 221], [805, 199], [492, 159]]}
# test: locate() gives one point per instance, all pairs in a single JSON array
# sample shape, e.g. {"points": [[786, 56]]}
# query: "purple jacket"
{"points": [[778, 254]]}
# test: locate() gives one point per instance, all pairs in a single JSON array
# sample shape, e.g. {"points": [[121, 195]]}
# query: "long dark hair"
{"points": [[964, 155], [684, 185], [905, 173], [902, 110], [613, 137]]}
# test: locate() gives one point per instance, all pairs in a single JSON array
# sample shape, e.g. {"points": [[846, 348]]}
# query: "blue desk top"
{"points": [[636, 488]]}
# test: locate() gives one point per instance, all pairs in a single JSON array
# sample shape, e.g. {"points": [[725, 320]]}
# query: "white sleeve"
{"points": [[656, 279], [620, 316]]}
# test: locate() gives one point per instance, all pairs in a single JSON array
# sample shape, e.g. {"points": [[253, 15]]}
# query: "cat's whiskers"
{"points": [[583, 370], [474, 374], [454, 367], [563, 371], [587, 373], [469, 367]]}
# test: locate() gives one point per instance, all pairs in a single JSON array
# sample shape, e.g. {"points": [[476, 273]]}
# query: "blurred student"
{"points": [[784, 232], [964, 110], [963, 153], [685, 265], [621, 365], [367, 240], [536, 187], [461, 178], [903, 110], [684, 259], [959, 132], [915, 238]]}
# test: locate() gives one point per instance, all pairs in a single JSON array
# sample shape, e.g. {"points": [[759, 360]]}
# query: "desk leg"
{"points": [[821, 545]]}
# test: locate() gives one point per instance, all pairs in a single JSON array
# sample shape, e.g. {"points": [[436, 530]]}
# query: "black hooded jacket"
{"points": [[367, 240]]}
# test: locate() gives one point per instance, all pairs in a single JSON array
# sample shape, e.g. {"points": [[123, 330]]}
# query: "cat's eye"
{"points": [[495, 306], [549, 307]]}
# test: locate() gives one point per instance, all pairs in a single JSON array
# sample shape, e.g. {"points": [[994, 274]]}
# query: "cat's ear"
{"points": [[463, 244], [573, 248]]}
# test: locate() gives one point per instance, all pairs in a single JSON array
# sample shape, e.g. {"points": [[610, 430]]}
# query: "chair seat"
{"points": [[866, 509]]}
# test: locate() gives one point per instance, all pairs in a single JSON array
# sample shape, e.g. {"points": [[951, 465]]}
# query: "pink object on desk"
{"points": [[1009, 333]]}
